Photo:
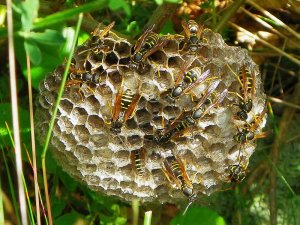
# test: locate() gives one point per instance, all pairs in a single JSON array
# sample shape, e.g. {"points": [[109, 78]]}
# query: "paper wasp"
{"points": [[248, 131], [146, 45], [96, 41], [247, 82], [190, 118], [237, 173], [138, 158], [124, 108], [193, 32], [175, 171], [79, 76], [190, 79]]}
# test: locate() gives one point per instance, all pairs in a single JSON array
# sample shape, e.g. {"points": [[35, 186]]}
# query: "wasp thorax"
{"points": [[177, 91], [194, 40], [151, 113], [187, 191]]}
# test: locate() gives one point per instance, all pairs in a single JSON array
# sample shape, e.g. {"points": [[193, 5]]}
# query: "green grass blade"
{"points": [[1, 205], [69, 13], [12, 189], [148, 217]]}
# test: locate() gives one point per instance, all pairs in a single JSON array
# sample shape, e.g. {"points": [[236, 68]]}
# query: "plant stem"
{"points": [[15, 113], [148, 217], [36, 185]]}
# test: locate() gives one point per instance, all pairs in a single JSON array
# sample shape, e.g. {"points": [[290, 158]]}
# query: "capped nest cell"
{"points": [[161, 120]]}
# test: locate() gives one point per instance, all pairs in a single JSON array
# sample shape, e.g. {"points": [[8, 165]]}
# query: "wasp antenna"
{"points": [[187, 207]]}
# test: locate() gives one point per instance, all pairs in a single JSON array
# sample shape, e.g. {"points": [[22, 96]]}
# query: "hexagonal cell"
{"points": [[68, 140], [44, 103], [95, 124], [135, 140], [164, 78], [123, 49], [111, 59], [115, 77], [80, 114], [158, 57], [81, 134], [131, 124], [98, 140], [175, 62], [172, 47], [91, 105], [66, 106], [143, 116], [95, 58], [65, 124]]}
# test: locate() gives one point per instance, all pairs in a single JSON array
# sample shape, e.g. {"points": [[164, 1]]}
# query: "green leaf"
{"points": [[132, 27], [5, 112], [4, 87], [61, 16], [168, 27], [29, 12], [33, 51], [159, 2], [193, 215], [68, 34], [58, 206], [2, 15], [48, 37], [173, 1], [68, 182], [70, 218], [115, 5], [120, 221]]}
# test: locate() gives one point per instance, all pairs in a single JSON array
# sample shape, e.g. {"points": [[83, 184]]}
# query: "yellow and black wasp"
{"points": [[138, 160], [124, 107], [246, 95], [248, 131], [187, 119], [147, 44], [77, 77], [96, 41], [175, 171], [187, 82], [193, 32]]}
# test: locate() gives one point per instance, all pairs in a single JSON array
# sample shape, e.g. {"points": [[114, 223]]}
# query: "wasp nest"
{"points": [[165, 118]]}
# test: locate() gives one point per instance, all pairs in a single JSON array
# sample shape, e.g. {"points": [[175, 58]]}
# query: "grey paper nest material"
{"points": [[89, 150]]}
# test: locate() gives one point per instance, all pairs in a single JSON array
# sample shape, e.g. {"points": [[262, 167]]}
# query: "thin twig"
{"points": [[293, 59], [275, 19], [15, 113], [33, 147], [268, 26], [280, 101]]}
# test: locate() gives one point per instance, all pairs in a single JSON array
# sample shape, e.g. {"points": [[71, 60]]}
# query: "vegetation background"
{"points": [[43, 33]]}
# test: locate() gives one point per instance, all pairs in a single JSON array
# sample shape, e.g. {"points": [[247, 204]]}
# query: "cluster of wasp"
{"points": [[161, 88]]}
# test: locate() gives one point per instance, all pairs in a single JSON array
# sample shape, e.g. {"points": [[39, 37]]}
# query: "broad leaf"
{"points": [[199, 216]]}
